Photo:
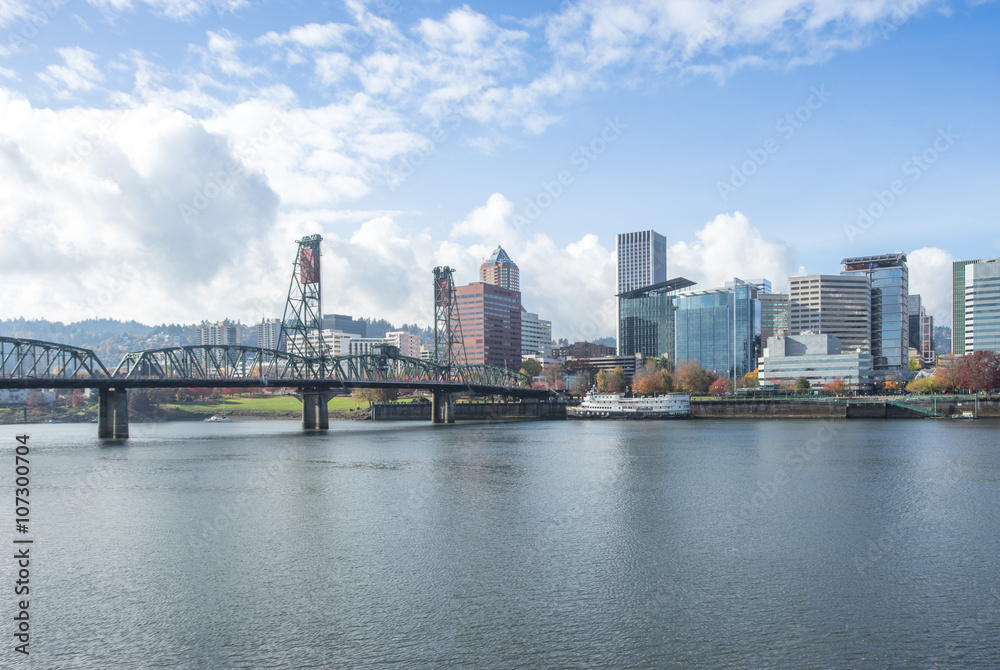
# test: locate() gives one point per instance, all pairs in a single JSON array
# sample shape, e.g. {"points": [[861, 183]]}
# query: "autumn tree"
{"points": [[582, 381], [648, 380], [602, 381], [980, 371], [924, 385], [138, 401], [720, 386], [834, 387], [946, 374], [616, 380], [553, 375], [750, 380], [690, 377], [362, 395], [77, 399]]}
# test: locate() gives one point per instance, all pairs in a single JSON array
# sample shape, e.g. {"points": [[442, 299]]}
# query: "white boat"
{"points": [[619, 406], [218, 419]]}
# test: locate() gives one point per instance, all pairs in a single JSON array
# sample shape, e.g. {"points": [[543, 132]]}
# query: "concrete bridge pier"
{"points": [[443, 407], [315, 413], [112, 414]]}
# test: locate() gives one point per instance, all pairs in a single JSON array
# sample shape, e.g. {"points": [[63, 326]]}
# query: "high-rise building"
{"points": [[407, 342], [890, 320], [838, 305], [221, 332], [980, 313], [500, 270], [921, 331], [642, 259], [490, 318], [536, 335], [269, 334], [720, 328], [642, 263], [773, 315]]}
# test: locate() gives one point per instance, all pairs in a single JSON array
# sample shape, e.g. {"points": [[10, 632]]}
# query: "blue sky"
{"points": [[159, 158]]}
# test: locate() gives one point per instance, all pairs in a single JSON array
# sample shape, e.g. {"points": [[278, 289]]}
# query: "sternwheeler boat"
{"points": [[621, 406]]}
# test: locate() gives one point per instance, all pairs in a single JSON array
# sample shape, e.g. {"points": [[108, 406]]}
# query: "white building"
{"points": [[408, 343], [427, 352], [221, 332], [981, 313], [536, 336], [269, 333], [818, 358], [838, 305]]}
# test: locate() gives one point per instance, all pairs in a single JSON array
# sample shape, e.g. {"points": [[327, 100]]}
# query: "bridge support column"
{"points": [[112, 414], [315, 414], [442, 407]]}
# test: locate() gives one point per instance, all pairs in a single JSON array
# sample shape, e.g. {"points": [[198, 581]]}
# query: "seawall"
{"points": [[473, 411], [901, 407]]}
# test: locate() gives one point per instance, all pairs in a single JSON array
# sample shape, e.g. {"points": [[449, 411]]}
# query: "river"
{"points": [[675, 544]]}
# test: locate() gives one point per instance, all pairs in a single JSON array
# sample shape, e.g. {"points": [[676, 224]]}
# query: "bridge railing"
{"points": [[36, 360]]}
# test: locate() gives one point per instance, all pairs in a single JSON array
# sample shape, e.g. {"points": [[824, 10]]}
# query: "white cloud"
{"points": [[77, 74], [726, 247], [930, 277]]}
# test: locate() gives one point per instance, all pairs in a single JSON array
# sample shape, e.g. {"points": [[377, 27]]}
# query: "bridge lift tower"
{"points": [[302, 326], [447, 340]]}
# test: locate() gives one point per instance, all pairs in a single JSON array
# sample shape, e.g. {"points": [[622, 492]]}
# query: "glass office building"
{"points": [[646, 319], [720, 328], [890, 313]]}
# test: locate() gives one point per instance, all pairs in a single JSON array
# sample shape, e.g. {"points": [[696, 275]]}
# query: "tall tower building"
{"points": [[980, 313], [838, 305], [890, 322], [500, 270], [642, 262], [490, 318]]}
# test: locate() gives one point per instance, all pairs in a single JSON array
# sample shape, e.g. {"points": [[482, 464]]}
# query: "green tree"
{"points": [[914, 365], [531, 367], [801, 384]]}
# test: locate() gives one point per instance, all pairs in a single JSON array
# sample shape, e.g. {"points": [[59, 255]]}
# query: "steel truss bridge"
{"points": [[33, 364]]}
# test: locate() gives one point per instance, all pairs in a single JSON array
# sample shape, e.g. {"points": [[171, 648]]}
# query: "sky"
{"points": [[160, 158]]}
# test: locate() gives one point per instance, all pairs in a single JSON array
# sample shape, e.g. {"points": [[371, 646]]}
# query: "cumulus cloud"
{"points": [[930, 277], [726, 247]]}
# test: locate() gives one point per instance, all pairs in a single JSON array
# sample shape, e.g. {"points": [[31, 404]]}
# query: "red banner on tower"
{"points": [[309, 266]]}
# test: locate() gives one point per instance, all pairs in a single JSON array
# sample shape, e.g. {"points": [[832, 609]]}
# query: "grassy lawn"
{"points": [[277, 403]]}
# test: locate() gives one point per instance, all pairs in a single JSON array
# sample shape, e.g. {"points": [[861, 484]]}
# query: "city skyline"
{"points": [[160, 158]]}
